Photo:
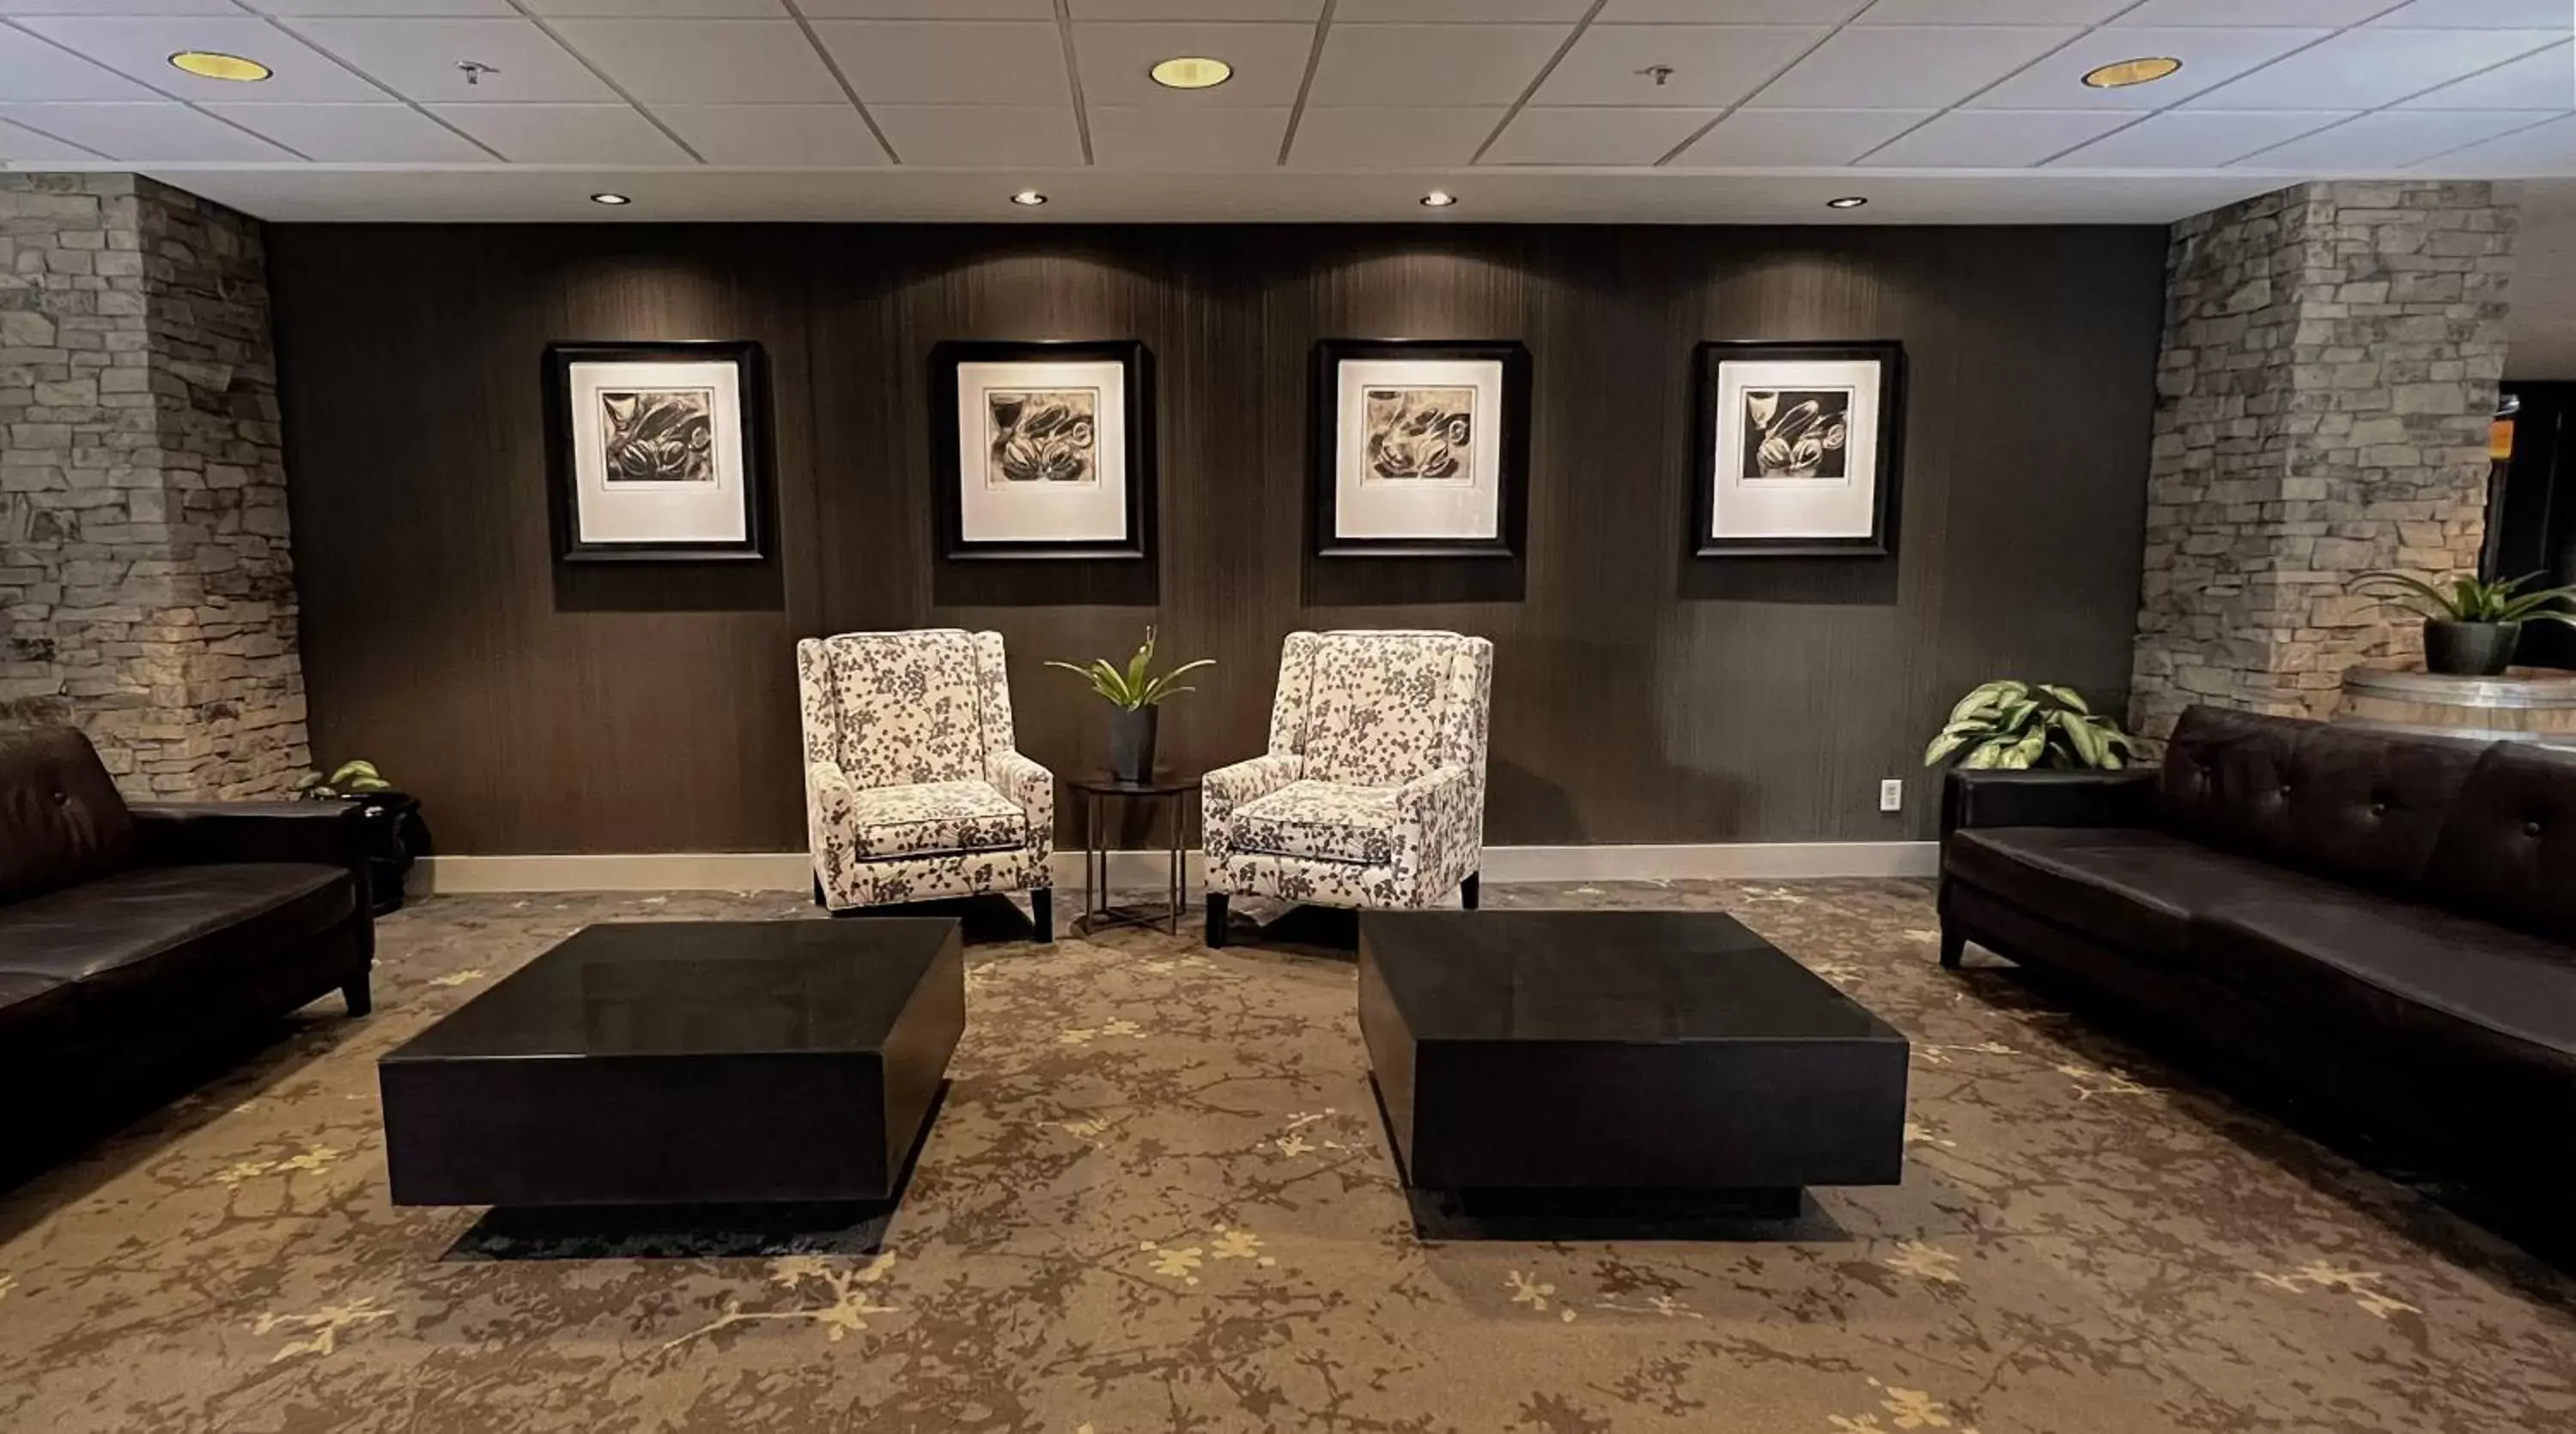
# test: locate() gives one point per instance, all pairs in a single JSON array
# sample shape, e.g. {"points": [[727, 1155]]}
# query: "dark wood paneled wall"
{"points": [[1640, 696]]}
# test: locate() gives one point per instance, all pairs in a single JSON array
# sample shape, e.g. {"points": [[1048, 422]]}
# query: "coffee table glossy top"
{"points": [[665, 988], [1602, 976]]}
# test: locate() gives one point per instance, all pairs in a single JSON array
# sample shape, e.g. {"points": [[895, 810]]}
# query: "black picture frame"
{"points": [[946, 475], [1707, 362], [751, 373], [1323, 444]]}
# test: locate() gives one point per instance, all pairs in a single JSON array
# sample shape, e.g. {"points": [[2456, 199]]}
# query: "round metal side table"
{"points": [[1095, 791]]}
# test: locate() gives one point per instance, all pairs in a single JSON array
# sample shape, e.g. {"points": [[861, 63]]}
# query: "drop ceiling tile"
{"points": [[2330, 13], [634, 9], [1435, 12], [928, 9], [1994, 139], [380, 8], [1210, 142], [565, 134], [2197, 139], [2548, 149], [31, 69], [1431, 64], [2544, 80], [1908, 66], [1269, 63], [24, 145], [118, 7], [2362, 69], [1085, 10], [1727, 12], [2482, 15], [418, 59], [140, 47], [1595, 135], [2210, 57], [776, 136], [147, 133], [2390, 139], [1367, 137], [705, 61], [1711, 64], [981, 136], [1796, 139], [355, 134], [991, 62], [1991, 12]]}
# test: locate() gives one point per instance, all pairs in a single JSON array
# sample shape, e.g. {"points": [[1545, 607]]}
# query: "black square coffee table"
{"points": [[1649, 1051], [684, 1063]]}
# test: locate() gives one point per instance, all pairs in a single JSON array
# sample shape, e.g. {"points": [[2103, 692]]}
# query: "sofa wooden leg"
{"points": [[1042, 913], [1216, 918], [359, 994], [1468, 892], [1954, 945]]}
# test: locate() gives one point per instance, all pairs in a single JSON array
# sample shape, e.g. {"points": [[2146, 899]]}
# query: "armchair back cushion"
{"points": [[894, 709], [61, 820], [1379, 709]]}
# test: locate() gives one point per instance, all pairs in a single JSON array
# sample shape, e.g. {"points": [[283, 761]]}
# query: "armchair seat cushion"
{"points": [[933, 819], [1321, 821]]}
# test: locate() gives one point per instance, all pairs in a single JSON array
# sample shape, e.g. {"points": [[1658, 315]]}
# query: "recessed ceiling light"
{"points": [[605, 197], [1848, 201], [1028, 199], [1438, 199], [208, 65], [2121, 74], [1191, 72]]}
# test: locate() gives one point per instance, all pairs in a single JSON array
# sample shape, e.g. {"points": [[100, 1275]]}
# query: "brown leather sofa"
{"points": [[136, 941], [2385, 923]]}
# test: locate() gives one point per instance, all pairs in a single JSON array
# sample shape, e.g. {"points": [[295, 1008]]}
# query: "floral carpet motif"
{"points": [[1157, 1198]]}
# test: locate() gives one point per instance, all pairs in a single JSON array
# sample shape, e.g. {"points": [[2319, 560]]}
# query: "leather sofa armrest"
{"points": [[202, 833], [1973, 800]]}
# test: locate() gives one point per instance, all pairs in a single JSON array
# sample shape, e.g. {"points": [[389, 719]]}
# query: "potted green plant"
{"points": [[2014, 726], [1135, 694], [2472, 625], [395, 836]]}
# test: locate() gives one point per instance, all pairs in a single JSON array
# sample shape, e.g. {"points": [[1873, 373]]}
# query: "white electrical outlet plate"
{"points": [[1891, 795]]}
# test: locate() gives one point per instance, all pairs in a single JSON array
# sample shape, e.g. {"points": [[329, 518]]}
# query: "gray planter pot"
{"points": [[1131, 742], [2470, 649]]}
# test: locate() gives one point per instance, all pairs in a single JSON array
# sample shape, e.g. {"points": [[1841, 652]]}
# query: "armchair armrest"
{"points": [[828, 795], [202, 833], [1029, 787], [1446, 811], [1226, 788], [1971, 800]]}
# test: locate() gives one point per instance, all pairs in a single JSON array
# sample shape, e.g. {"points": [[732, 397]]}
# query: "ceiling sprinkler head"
{"points": [[475, 70], [1658, 73]]}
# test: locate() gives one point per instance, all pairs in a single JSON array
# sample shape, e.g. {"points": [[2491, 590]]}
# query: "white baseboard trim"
{"points": [[788, 870]]}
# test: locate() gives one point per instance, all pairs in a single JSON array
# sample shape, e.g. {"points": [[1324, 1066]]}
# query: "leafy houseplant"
{"points": [[2471, 625], [1136, 693], [395, 836], [2017, 725]]}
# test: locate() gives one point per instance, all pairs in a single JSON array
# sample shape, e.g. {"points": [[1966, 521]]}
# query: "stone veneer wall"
{"points": [[146, 592], [2330, 362]]}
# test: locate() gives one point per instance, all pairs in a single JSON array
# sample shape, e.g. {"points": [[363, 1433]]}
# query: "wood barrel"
{"points": [[2525, 705]]}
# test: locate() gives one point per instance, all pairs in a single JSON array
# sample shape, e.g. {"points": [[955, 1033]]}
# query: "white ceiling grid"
{"points": [[1563, 104]]}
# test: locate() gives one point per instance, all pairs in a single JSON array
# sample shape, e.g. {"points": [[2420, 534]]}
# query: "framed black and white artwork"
{"points": [[656, 450], [1799, 450], [1043, 450], [1420, 447]]}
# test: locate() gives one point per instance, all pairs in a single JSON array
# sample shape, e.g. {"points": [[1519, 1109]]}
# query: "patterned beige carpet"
{"points": [[1158, 1199]]}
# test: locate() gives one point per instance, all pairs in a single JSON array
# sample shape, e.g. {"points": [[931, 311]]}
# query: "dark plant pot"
{"points": [[396, 838], [2470, 649], [1131, 742]]}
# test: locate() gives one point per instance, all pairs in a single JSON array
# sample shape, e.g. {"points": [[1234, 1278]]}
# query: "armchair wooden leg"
{"points": [[818, 894], [1216, 918], [1042, 913], [359, 994], [1468, 891]]}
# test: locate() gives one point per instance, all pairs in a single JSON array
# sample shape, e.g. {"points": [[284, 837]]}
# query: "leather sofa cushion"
{"points": [[170, 926], [2509, 850], [2363, 806], [1321, 821], [2423, 976], [61, 821], [31, 1007], [2134, 887], [933, 819]]}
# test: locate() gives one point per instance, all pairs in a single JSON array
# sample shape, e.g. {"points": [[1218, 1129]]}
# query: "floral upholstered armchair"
{"points": [[914, 789], [1373, 791]]}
